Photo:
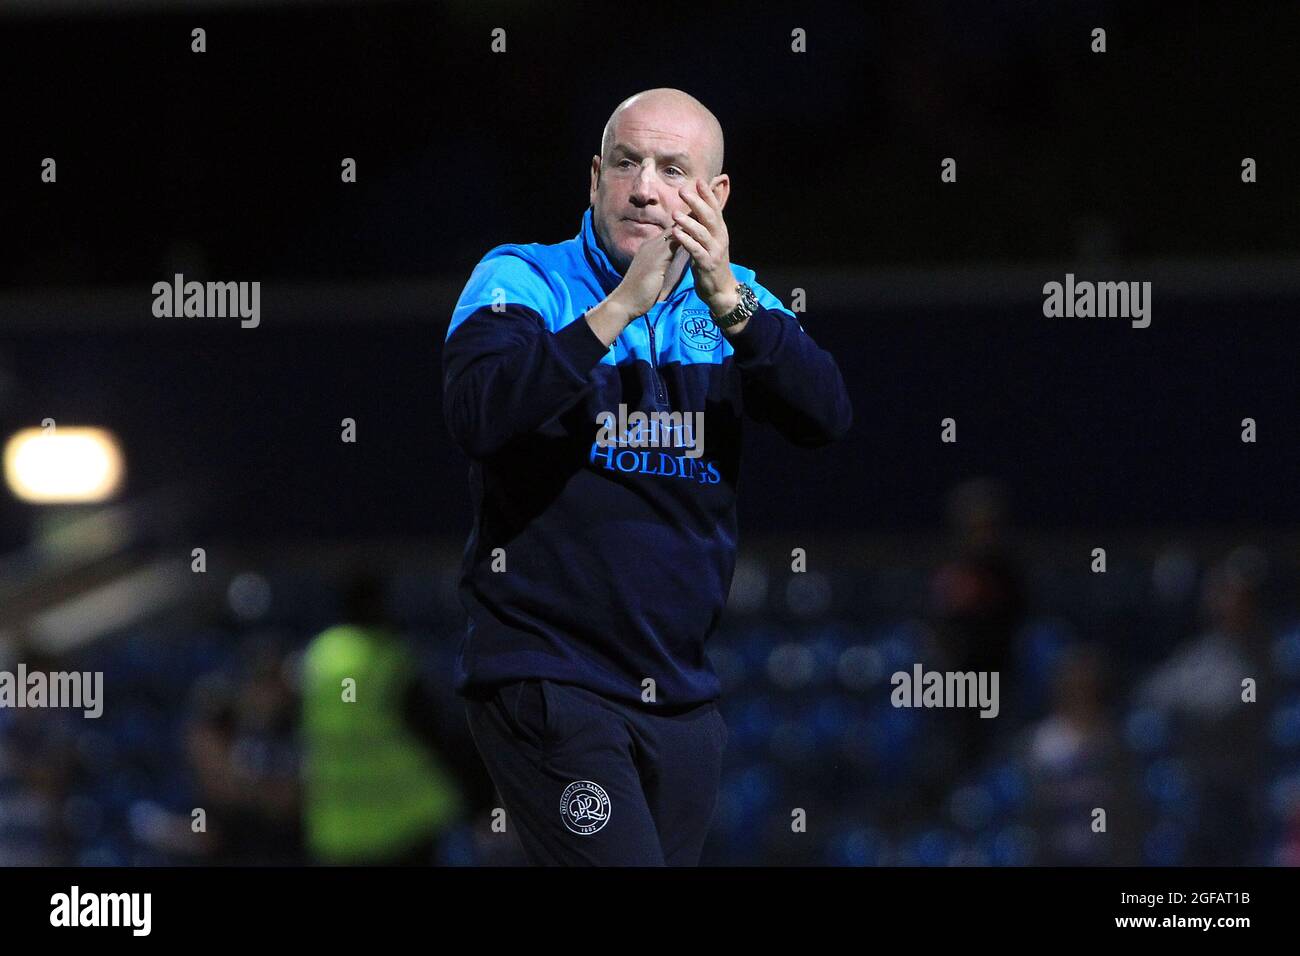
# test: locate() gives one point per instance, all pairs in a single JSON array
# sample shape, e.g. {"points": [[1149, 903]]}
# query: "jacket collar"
{"points": [[603, 268]]}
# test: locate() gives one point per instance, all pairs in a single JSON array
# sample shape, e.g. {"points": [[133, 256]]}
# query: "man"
{"points": [[1216, 729], [599, 563], [377, 790]]}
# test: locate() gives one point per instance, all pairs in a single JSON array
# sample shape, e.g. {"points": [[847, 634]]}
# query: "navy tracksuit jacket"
{"points": [[618, 561]]}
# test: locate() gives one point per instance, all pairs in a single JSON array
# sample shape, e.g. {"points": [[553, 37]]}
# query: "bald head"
{"points": [[673, 111]]}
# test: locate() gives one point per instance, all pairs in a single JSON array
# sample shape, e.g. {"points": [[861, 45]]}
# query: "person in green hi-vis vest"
{"points": [[375, 792]]}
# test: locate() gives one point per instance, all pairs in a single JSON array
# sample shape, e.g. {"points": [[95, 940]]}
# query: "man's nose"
{"points": [[643, 189]]}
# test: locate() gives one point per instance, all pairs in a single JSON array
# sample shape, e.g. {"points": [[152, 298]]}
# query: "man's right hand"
{"points": [[641, 288], [643, 283]]}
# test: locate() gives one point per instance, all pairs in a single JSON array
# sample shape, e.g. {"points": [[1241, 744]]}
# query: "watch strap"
{"points": [[744, 308]]}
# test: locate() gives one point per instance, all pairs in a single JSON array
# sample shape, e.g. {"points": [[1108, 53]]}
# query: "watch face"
{"points": [[748, 301]]}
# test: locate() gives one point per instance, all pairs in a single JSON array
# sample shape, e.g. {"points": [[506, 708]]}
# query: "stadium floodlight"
{"points": [[63, 465]]}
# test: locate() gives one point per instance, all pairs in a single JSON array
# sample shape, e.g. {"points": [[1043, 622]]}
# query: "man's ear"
{"points": [[721, 186], [595, 178]]}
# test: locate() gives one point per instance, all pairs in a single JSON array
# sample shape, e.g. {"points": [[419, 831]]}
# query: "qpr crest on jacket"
{"points": [[699, 331]]}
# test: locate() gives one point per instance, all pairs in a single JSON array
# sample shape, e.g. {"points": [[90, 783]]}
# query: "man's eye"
{"points": [[624, 163]]}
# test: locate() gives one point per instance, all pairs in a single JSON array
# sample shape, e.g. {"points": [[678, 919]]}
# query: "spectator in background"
{"points": [[977, 599], [1076, 762], [977, 605], [242, 746], [376, 791], [38, 764], [1201, 680], [1221, 736]]}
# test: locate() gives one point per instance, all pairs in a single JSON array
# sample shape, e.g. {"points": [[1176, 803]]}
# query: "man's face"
{"points": [[654, 151]]}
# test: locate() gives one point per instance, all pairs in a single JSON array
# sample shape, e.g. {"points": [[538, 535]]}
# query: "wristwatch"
{"points": [[748, 303]]}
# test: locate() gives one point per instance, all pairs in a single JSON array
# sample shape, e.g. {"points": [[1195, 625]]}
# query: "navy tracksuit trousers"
{"points": [[587, 780]]}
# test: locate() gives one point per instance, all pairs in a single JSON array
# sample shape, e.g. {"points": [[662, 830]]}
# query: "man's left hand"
{"points": [[704, 235]]}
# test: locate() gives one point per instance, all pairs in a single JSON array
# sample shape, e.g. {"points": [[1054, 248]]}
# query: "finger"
{"points": [[693, 228], [699, 208], [706, 190], [697, 251]]}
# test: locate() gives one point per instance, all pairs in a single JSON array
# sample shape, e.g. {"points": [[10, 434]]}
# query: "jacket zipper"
{"points": [[661, 396]]}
